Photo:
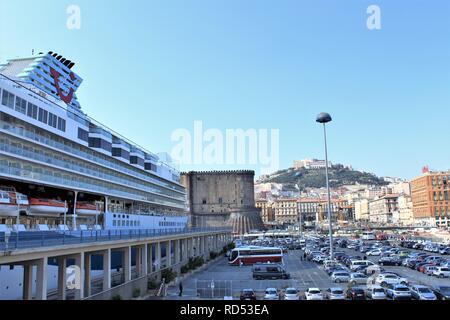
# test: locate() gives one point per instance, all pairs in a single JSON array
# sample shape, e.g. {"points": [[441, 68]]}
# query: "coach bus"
{"points": [[250, 255], [368, 235]]}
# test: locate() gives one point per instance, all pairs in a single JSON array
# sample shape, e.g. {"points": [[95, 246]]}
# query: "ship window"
{"points": [[83, 135], [61, 124], [114, 223], [32, 110], [52, 119], [43, 115], [8, 99], [21, 105], [114, 215]]}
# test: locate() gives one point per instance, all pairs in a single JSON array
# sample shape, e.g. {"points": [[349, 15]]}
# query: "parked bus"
{"points": [[250, 255], [368, 235]]}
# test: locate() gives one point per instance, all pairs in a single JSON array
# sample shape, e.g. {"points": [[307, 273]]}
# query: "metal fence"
{"points": [[32, 239], [214, 289]]}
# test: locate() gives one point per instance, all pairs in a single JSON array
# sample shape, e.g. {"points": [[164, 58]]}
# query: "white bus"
{"points": [[368, 235]]}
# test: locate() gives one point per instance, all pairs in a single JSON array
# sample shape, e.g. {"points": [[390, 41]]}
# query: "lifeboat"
{"points": [[85, 208], [8, 204], [47, 207]]}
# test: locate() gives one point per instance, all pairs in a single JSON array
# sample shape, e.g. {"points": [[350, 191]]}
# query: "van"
{"points": [[269, 271]]}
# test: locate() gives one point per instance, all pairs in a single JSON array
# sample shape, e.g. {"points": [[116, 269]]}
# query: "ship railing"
{"points": [[33, 239]]}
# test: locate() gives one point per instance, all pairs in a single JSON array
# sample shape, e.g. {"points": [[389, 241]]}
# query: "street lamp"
{"points": [[324, 118]]}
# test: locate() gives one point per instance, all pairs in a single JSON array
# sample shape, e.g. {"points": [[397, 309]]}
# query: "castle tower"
{"points": [[218, 198]]}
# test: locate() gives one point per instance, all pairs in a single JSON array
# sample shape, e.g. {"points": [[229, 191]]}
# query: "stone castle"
{"points": [[218, 198]]}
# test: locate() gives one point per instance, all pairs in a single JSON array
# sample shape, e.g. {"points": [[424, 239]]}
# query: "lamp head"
{"points": [[323, 118]]}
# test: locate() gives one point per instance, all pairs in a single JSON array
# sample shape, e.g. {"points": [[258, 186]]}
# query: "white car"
{"points": [[335, 294], [375, 252], [358, 278], [420, 292], [376, 293], [389, 278], [442, 272], [355, 264], [271, 294], [291, 294], [340, 276], [313, 294]]}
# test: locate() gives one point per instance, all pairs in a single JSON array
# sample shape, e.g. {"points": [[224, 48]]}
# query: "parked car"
{"points": [[445, 251], [442, 272], [442, 292], [358, 263], [291, 294], [313, 294], [248, 294], [389, 261], [340, 276], [429, 270], [375, 252], [335, 294], [376, 293], [385, 279], [271, 294], [336, 269], [364, 249], [356, 293], [420, 292], [358, 278], [423, 267], [398, 292]]}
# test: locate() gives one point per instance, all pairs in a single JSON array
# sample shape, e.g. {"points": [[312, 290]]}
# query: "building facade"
{"points": [[267, 212], [381, 210], [286, 211], [403, 216], [361, 208], [311, 164], [430, 198]]}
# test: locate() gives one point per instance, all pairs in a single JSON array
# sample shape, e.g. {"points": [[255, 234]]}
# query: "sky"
{"points": [[151, 68]]}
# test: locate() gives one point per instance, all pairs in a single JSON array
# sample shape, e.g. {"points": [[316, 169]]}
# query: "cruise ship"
{"points": [[62, 170]]}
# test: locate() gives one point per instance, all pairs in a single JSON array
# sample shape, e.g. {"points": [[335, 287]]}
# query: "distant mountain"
{"points": [[315, 178]]}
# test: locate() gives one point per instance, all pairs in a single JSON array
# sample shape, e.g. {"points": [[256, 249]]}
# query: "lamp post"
{"points": [[324, 118]]}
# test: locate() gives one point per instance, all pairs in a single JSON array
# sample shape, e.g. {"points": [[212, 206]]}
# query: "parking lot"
{"points": [[414, 277], [304, 274], [220, 280]]}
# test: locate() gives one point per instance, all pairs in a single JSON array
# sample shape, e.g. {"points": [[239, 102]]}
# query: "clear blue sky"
{"points": [[150, 67]]}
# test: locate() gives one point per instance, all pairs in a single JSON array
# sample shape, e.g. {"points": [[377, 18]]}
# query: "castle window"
{"points": [[220, 200], [204, 201]]}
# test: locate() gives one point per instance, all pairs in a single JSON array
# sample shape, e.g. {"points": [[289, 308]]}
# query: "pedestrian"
{"points": [[304, 255], [181, 289], [365, 258]]}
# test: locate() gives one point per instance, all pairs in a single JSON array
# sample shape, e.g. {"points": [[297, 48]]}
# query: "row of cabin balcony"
{"points": [[104, 142]]}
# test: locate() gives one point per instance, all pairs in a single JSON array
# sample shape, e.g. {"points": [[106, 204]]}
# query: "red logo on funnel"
{"points": [[66, 98]]}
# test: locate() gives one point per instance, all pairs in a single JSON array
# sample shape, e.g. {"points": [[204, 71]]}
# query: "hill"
{"points": [[315, 178]]}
